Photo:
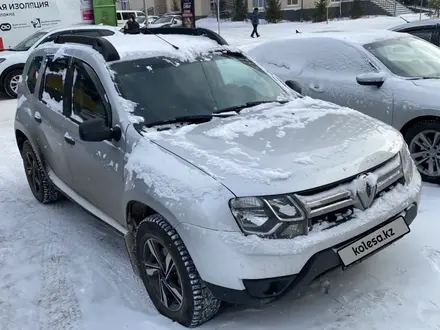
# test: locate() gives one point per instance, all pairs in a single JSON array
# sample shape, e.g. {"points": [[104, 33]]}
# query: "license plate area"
{"points": [[370, 243]]}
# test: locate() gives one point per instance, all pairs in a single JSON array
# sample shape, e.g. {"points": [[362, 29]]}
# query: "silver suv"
{"points": [[227, 185]]}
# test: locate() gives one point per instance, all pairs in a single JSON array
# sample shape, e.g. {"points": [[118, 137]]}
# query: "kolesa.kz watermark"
{"points": [[366, 245]]}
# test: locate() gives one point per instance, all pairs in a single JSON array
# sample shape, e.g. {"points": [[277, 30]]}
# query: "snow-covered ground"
{"points": [[60, 268]]}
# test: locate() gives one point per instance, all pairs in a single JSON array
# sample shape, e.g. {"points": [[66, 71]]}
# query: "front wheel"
{"points": [[423, 139], [12, 79], [170, 276]]}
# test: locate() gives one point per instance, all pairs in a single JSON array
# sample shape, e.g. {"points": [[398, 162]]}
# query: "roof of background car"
{"points": [[80, 26], [150, 45], [422, 23], [353, 37]]}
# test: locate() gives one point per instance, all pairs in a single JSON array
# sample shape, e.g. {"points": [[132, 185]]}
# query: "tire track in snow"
{"points": [[60, 307], [433, 256]]}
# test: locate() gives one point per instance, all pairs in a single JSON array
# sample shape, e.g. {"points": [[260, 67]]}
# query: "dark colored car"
{"points": [[428, 29]]}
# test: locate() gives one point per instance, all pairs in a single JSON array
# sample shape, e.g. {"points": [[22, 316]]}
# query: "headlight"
{"points": [[2, 60], [270, 217], [407, 163]]}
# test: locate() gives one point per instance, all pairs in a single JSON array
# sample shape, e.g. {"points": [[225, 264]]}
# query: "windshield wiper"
{"points": [[238, 108], [423, 78], [198, 119]]}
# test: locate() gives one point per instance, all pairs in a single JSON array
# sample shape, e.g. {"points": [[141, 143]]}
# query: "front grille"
{"points": [[337, 203]]}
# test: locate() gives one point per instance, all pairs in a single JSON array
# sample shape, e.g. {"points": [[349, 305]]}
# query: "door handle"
{"points": [[37, 117], [69, 139]]}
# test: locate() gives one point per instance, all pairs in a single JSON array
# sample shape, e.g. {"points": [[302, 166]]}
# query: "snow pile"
{"points": [[190, 47]]}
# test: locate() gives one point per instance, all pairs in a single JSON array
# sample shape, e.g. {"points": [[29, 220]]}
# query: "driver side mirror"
{"points": [[371, 79], [296, 86], [96, 130]]}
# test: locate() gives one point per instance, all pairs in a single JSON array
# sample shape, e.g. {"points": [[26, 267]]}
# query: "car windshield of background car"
{"points": [[165, 88], [408, 57], [29, 41], [161, 20]]}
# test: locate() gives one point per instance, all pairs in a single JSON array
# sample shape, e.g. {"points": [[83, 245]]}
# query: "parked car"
{"points": [[124, 15], [391, 76], [150, 20], [167, 21], [428, 29], [12, 60], [229, 186]]}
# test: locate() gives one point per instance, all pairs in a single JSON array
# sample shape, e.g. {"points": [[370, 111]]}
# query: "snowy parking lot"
{"points": [[60, 268]]}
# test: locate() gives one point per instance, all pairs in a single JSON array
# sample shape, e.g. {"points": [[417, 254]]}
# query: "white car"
{"points": [[167, 21], [12, 60]]}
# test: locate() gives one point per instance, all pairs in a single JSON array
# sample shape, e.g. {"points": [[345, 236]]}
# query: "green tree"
{"points": [[320, 13], [273, 11], [434, 4], [175, 6], [240, 11], [356, 9]]}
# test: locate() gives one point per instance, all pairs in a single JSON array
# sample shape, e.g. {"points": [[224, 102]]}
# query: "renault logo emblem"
{"points": [[366, 188]]}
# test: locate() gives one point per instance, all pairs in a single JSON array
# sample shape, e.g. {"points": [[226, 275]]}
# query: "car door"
{"points": [[331, 76], [49, 116], [97, 167]]}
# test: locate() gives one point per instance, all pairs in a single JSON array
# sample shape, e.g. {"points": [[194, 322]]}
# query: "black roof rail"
{"points": [[180, 30], [101, 45]]}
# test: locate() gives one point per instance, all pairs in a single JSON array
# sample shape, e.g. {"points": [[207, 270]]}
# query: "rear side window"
{"points": [[53, 83], [119, 16], [32, 74], [126, 15], [87, 33], [106, 33]]}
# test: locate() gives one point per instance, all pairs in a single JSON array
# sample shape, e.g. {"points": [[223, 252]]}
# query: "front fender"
{"points": [[176, 189]]}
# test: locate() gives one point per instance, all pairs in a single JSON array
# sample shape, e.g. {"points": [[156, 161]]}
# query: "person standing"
{"points": [[131, 23], [255, 19]]}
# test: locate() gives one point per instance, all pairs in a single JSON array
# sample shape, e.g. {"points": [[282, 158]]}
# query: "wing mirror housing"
{"points": [[96, 130], [371, 79], [296, 86]]}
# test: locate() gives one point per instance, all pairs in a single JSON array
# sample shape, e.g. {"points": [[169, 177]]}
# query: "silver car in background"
{"points": [[391, 76]]}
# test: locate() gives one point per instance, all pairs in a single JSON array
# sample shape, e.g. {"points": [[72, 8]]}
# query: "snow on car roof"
{"points": [[353, 37], [143, 45], [80, 26]]}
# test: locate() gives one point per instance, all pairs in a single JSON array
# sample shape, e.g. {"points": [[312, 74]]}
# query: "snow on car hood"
{"points": [[273, 148]]}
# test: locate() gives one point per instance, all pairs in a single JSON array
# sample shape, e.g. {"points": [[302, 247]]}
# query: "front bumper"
{"points": [[262, 291], [237, 267]]}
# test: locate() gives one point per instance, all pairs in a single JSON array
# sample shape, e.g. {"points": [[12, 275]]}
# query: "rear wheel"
{"points": [[41, 187], [12, 79], [423, 139], [170, 276]]}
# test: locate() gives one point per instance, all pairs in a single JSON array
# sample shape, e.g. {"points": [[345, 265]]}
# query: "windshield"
{"points": [[140, 19], [164, 89], [408, 57], [29, 41], [166, 19]]}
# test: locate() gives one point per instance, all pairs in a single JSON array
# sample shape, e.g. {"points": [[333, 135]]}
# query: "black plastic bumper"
{"points": [[262, 291]]}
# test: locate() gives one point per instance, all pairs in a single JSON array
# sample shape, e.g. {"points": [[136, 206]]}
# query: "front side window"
{"points": [[166, 19], [425, 34], [87, 103], [164, 88], [52, 93], [27, 43], [32, 74], [408, 57]]}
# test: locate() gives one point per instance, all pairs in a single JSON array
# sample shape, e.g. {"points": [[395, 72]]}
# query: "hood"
{"points": [[275, 149], [7, 53], [431, 83]]}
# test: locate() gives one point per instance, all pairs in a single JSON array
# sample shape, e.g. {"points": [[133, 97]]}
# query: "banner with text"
{"points": [[20, 19], [188, 13]]}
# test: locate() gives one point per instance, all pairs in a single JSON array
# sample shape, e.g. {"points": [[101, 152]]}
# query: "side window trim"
{"points": [[97, 83], [46, 61]]}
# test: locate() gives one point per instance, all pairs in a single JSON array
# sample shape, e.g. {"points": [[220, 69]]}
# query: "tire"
{"points": [[429, 128], [198, 304], [8, 81], [42, 189]]}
